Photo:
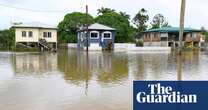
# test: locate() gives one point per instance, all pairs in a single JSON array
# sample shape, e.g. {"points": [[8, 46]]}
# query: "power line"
{"points": [[33, 10]]}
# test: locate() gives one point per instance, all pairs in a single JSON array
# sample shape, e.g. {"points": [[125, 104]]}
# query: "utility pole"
{"points": [[87, 27], [182, 16], [87, 56], [179, 54]]}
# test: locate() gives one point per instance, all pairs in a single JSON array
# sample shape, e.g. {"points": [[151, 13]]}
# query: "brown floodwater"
{"points": [[73, 80]]}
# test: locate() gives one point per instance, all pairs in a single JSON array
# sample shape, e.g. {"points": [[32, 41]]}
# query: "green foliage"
{"points": [[139, 43], [117, 21], [104, 10], [140, 20], [159, 21], [206, 36], [67, 29], [203, 30], [124, 14], [189, 46], [7, 39], [205, 33], [132, 34]]}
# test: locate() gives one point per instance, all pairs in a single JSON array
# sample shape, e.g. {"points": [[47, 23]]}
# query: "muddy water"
{"points": [[72, 80]]}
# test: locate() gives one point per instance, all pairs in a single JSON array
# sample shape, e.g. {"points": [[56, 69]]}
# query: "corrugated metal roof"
{"points": [[100, 26], [172, 29], [97, 26], [35, 25]]}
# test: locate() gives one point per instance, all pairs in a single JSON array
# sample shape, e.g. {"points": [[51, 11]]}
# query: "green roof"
{"points": [[172, 29]]}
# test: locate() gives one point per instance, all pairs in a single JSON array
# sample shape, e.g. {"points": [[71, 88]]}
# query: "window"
{"points": [[107, 35], [194, 35], [164, 39], [45, 34], [30, 34], [49, 34], [148, 36], [24, 34], [94, 35], [155, 35]]}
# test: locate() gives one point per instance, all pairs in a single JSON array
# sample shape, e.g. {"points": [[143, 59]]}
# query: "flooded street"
{"points": [[72, 80]]}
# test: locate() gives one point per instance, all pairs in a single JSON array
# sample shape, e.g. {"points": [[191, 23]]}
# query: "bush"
{"points": [[139, 43]]}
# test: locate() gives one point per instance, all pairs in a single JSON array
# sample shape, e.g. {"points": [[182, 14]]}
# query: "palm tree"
{"points": [[124, 14], [105, 10]]}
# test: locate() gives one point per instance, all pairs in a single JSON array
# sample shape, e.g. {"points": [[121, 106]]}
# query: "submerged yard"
{"points": [[71, 79]]}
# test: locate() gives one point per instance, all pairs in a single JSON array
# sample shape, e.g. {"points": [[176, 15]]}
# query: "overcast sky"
{"points": [[196, 10]]}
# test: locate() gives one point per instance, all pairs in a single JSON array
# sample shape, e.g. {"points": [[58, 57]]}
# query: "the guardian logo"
{"points": [[164, 94]]}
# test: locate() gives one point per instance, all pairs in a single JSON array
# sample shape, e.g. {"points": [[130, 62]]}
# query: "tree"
{"points": [[124, 14], [205, 33], [159, 21], [67, 29], [7, 38], [105, 10], [117, 21], [140, 20], [203, 30]]}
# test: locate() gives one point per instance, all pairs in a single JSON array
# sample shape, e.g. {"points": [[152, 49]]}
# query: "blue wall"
{"points": [[104, 44]]}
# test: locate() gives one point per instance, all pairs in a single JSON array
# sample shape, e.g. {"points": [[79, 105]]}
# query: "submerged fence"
{"points": [[127, 47]]}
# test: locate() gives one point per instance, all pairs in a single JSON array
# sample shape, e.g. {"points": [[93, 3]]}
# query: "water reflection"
{"points": [[79, 67], [188, 64], [72, 70], [6, 70], [34, 63]]}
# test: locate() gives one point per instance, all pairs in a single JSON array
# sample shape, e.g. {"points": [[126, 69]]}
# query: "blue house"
{"points": [[99, 37]]}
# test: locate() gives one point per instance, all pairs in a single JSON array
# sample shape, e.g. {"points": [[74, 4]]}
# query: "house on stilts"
{"points": [[36, 35], [169, 37]]}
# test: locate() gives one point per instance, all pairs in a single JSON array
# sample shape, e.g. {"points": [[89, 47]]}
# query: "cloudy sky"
{"points": [[54, 10]]}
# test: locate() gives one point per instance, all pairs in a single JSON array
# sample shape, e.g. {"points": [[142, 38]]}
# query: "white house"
{"points": [[34, 33]]}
